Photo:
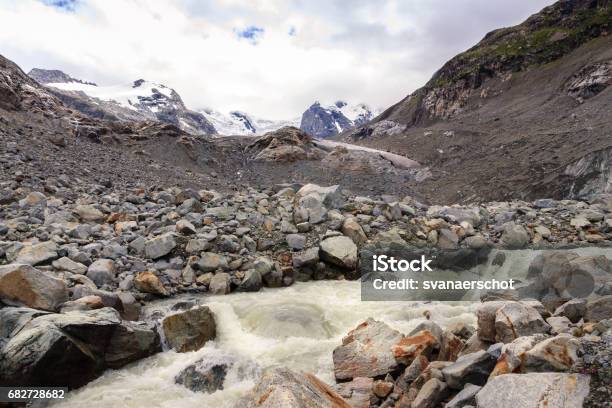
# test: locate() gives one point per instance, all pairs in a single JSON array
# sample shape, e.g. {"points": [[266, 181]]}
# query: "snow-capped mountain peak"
{"points": [[328, 120], [238, 123], [139, 100]]}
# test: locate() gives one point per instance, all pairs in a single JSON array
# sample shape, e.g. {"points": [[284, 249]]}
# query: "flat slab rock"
{"points": [[366, 351], [284, 388], [534, 390]]}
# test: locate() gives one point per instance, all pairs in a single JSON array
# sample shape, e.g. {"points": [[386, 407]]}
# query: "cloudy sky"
{"points": [[271, 58]]}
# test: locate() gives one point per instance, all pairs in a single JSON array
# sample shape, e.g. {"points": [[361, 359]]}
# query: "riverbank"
{"points": [[89, 264]]}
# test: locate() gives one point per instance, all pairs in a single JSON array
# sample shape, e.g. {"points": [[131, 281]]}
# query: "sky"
{"points": [[270, 58]]}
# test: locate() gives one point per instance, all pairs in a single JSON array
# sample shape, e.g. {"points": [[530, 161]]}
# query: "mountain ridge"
{"points": [[524, 113], [139, 101]]}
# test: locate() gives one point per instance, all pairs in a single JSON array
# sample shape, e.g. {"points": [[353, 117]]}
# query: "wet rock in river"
{"points": [[189, 330]]}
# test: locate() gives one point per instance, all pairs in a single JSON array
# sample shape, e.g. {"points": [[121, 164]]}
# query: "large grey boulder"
{"points": [[284, 388], [189, 330], [58, 349], [339, 250], [599, 309], [208, 373], [67, 264], [220, 284], [310, 208], [558, 353], [514, 236], [306, 258], [353, 230], [534, 390], [252, 282], [160, 246], [211, 261], [516, 319], [102, 272], [131, 341], [456, 215], [37, 253], [431, 394], [471, 368], [23, 285], [330, 196], [366, 351], [465, 397], [574, 310], [512, 355], [356, 392], [89, 213], [12, 319]]}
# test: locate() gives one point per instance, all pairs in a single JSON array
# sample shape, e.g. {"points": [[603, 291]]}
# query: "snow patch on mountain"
{"points": [[141, 101], [236, 123], [135, 96]]}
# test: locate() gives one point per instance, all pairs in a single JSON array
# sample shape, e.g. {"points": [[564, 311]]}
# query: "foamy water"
{"points": [[297, 327]]}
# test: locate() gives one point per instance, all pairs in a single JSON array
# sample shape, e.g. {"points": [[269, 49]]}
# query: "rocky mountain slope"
{"points": [[325, 121], [524, 113], [139, 101]]}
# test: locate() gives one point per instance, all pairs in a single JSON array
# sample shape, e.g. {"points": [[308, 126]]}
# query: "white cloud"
{"points": [[373, 51]]}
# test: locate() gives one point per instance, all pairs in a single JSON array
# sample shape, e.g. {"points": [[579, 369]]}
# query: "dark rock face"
{"points": [[20, 92], [590, 81], [131, 341], [209, 381], [325, 121], [590, 175], [321, 122], [68, 349], [540, 39], [208, 373]]}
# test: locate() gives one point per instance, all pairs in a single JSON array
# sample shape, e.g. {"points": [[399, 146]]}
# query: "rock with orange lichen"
{"points": [[515, 319], [558, 353], [410, 347], [366, 351], [513, 354]]}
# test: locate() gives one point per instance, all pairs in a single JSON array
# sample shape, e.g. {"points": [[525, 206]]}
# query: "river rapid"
{"points": [[297, 327]]}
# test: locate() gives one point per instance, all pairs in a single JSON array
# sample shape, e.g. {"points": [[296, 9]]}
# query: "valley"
{"points": [[158, 254]]}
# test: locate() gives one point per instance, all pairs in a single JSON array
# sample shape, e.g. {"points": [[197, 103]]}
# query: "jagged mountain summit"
{"points": [[329, 120], [139, 101], [144, 100], [237, 123]]}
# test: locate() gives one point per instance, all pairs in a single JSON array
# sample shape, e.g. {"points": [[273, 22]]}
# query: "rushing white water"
{"points": [[297, 327]]}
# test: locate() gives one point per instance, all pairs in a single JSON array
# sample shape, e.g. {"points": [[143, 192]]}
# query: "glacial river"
{"points": [[297, 327]]}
